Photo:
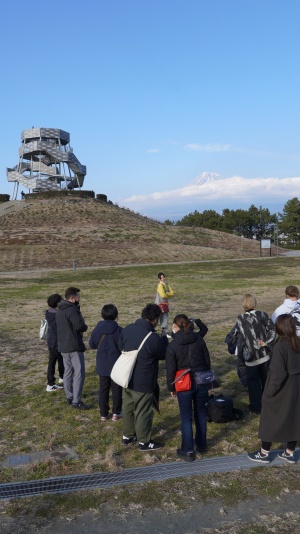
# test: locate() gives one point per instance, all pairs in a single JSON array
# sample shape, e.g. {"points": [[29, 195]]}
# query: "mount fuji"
{"points": [[206, 178]]}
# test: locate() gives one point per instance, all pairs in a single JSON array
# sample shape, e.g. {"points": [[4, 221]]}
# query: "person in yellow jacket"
{"points": [[164, 292]]}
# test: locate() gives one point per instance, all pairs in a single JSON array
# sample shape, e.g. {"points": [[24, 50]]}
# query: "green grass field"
{"points": [[34, 421]]}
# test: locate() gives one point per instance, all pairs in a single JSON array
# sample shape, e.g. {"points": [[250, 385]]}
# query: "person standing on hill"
{"points": [[54, 354], [164, 292], [70, 328]]}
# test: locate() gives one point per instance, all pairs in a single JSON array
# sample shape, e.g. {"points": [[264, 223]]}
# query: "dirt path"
{"points": [[256, 516], [122, 266]]}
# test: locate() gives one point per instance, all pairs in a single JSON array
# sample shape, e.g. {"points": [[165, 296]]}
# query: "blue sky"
{"points": [[154, 93]]}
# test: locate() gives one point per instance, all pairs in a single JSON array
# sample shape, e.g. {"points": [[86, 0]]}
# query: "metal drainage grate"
{"points": [[104, 480]]}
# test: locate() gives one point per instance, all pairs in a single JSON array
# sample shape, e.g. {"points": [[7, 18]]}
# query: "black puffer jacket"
{"points": [[70, 327], [187, 350], [144, 376]]}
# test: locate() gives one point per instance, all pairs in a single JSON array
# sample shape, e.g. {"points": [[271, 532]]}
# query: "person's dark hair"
{"points": [[286, 328], [160, 275], [151, 312], [183, 322], [71, 292], [109, 312], [53, 300], [292, 291]]}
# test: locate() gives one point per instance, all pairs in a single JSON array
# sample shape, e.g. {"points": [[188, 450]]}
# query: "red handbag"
{"points": [[164, 306], [182, 381]]}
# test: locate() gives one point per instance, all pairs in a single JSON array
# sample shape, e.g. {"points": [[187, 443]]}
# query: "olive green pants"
{"points": [[137, 410]]}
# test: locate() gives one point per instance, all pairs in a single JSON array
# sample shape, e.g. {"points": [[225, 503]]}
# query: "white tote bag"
{"points": [[44, 329], [122, 370]]}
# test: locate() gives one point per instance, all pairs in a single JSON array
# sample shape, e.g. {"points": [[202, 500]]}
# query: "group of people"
{"points": [[269, 369]]}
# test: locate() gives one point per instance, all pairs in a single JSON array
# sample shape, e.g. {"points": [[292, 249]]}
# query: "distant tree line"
{"points": [[256, 223]]}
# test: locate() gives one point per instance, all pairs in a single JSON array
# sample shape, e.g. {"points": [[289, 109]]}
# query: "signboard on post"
{"points": [[265, 244]]}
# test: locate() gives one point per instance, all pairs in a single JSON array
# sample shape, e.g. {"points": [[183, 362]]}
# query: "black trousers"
{"points": [[256, 380], [54, 356], [106, 383], [266, 445]]}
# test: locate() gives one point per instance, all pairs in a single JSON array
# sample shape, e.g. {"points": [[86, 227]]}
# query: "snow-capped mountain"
{"points": [[207, 177]]}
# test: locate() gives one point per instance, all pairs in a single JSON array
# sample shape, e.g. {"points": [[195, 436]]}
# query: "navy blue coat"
{"points": [[108, 351], [52, 331], [144, 376]]}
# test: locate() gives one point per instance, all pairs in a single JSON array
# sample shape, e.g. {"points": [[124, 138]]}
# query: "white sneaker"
{"points": [[116, 416], [60, 380], [53, 388]]}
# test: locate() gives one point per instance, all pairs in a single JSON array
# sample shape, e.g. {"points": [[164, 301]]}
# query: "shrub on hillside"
{"points": [[63, 193], [101, 197], [4, 198]]}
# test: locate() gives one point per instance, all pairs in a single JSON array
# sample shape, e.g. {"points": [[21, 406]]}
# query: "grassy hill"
{"points": [[51, 233]]}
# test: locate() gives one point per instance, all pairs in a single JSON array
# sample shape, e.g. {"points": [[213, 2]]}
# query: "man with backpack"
{"points": [[288, 305]]}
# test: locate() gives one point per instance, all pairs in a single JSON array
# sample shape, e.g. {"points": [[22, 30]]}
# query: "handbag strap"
{"points": [[149, 334], [101, 339], [184, 371], [190, 355]]}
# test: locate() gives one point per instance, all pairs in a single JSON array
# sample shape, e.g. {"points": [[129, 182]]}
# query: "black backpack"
{"points": [[219, 409]]}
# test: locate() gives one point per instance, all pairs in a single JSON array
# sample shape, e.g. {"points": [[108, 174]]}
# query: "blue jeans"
{"points": [[164, 320], [189, 401]]}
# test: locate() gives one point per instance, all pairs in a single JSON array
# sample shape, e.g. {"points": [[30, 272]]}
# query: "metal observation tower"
{"points": [[46, 162]]}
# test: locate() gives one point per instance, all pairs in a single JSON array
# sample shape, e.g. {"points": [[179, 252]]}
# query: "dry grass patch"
{"points": [[35, 422], [98, 234], [40, 421]]}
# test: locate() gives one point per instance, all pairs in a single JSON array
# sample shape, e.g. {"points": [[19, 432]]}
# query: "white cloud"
{"points": [[209, 147], [153, 150], [234, 189]]}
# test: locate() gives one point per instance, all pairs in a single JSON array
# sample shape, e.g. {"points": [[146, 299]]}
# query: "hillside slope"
{"points": [[51, 233]]}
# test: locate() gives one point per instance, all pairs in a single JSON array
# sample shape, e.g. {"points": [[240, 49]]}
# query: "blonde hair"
{"points": [[249, 302]]}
